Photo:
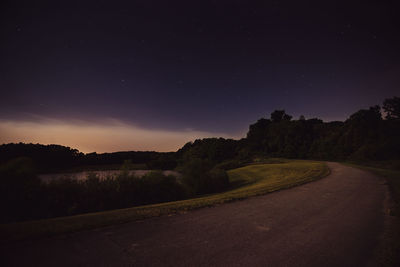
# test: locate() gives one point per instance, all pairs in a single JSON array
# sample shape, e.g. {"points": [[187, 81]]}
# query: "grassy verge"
{"points": [[390, 254], [248, 181]]}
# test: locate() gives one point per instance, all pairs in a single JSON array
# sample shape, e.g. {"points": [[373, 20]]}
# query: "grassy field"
{"points": [[246, 182]]}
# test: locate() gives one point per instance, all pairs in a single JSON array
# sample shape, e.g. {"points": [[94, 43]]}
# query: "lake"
{"points": [[101, 174]]}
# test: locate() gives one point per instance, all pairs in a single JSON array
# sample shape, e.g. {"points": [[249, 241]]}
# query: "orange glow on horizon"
{"points": [[111, 136]]}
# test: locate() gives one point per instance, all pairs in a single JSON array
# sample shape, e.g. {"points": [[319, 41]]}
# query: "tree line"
{"points": [[57, 158], [367, 135]]}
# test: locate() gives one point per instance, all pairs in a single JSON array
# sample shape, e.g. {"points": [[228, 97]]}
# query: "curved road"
{"points": [[336, 221]]}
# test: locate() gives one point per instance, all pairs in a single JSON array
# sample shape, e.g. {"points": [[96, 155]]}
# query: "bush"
{"points": [[19, 189], [161, 188], [219, 180], [200, 177], [24, 197]]}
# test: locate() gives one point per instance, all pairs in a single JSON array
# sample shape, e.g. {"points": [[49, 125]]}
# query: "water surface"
{"points": [[101, 174]]}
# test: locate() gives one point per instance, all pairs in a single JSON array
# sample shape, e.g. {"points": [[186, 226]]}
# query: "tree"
{"points": [[280, 115], [391, 106]]}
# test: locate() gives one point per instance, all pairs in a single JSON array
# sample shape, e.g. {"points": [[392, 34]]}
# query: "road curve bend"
{"points": [[335, 221]]}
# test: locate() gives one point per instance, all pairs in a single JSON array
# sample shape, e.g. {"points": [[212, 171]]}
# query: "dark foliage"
{"points": [[215, 150], [24, 197], [165, 161], [201, 177], [119, 157], [19, 189], [364, 137], [280, 115], [52, 158], [44, 157], [391, 107]]}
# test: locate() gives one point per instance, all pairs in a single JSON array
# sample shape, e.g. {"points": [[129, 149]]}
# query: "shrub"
{"points": [[19, 189], [24, 197], [200, 177]]}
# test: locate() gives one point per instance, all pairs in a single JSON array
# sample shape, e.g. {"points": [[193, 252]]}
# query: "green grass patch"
{"points": [[248, 181], [261, 160]]}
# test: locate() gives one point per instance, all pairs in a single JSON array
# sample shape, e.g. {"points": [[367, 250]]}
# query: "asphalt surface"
{"points": [[335, 221]]}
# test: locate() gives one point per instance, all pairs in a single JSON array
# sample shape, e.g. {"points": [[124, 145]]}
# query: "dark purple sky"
{"points": [[212, 66]]}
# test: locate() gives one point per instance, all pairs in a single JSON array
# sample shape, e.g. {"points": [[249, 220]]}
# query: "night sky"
{"points": [[152, 75]]}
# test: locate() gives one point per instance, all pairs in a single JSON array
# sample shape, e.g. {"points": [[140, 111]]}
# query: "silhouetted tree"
{"points": [[391, 106], [280, 115]]}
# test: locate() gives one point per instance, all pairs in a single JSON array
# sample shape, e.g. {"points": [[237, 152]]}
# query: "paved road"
{"points": [[335, 221]]}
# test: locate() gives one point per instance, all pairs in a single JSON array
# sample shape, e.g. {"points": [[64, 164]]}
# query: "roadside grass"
{"points": [[390, 254], [248, 181], [262, 160]]}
